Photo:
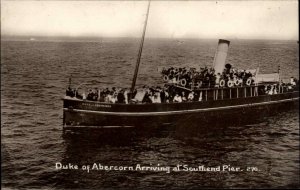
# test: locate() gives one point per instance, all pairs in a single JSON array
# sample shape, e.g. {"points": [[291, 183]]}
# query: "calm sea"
{"points": [[34, 75]]}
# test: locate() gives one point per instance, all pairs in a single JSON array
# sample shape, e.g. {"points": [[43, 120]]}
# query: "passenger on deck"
{"points": [[157, 98], [191, 96], [104, 95], [98, 94], [163, 97], [105, 98], [105, 91], [177, 98], [147, 97], [121, 97], [167, 95], [183, 96], [234, 78], [77, 95], [151, 96], [126, 94], [95, 94], [292, 81], [111, 98], [70, 92], [113, 91], [227, 79], [101, 95], [90, 95], [271, 91], [275, 90], [200, 96], [267, 89], [115, 94], [297, 84]]}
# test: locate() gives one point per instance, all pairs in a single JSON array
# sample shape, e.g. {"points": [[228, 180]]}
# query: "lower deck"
{"points": [[88, 113]]}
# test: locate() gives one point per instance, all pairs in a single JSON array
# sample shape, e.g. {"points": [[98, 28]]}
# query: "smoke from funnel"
{"points": [[220, 56]]}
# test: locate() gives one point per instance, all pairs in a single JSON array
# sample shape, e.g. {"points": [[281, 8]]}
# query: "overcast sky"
{"points": [[168, 19]]}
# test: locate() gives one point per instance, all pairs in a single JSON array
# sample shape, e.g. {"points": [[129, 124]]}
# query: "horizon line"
{"points": [[44, 38]]}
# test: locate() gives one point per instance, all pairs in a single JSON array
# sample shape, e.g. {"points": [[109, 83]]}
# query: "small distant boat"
{"points": [[179, 42], [32, 39], [228, 100]]}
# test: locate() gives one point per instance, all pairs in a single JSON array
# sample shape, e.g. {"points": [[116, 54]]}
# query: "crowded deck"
{"points": [[207, 78], [188, 85]]}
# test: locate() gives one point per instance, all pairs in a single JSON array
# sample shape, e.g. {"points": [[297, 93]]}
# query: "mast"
{"points": [[140, 52]]}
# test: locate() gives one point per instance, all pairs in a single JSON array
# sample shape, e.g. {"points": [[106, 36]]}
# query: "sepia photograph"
{"points": [[149, 94]]}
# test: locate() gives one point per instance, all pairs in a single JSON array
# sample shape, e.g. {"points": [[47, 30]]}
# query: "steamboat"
{"points": [[207, 95]]}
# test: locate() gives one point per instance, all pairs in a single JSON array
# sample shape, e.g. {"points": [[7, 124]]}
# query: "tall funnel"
{"points": [[220, 56]]}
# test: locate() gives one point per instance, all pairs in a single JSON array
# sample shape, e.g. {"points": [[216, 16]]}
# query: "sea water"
{"points": [[35, 74]]}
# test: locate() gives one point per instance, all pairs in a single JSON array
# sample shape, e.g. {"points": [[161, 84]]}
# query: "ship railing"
{"points": [[227, 93], [220, 93]]}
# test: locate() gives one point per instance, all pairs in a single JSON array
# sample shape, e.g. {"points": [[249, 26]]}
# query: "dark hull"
{"points": [[79, 113]]}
